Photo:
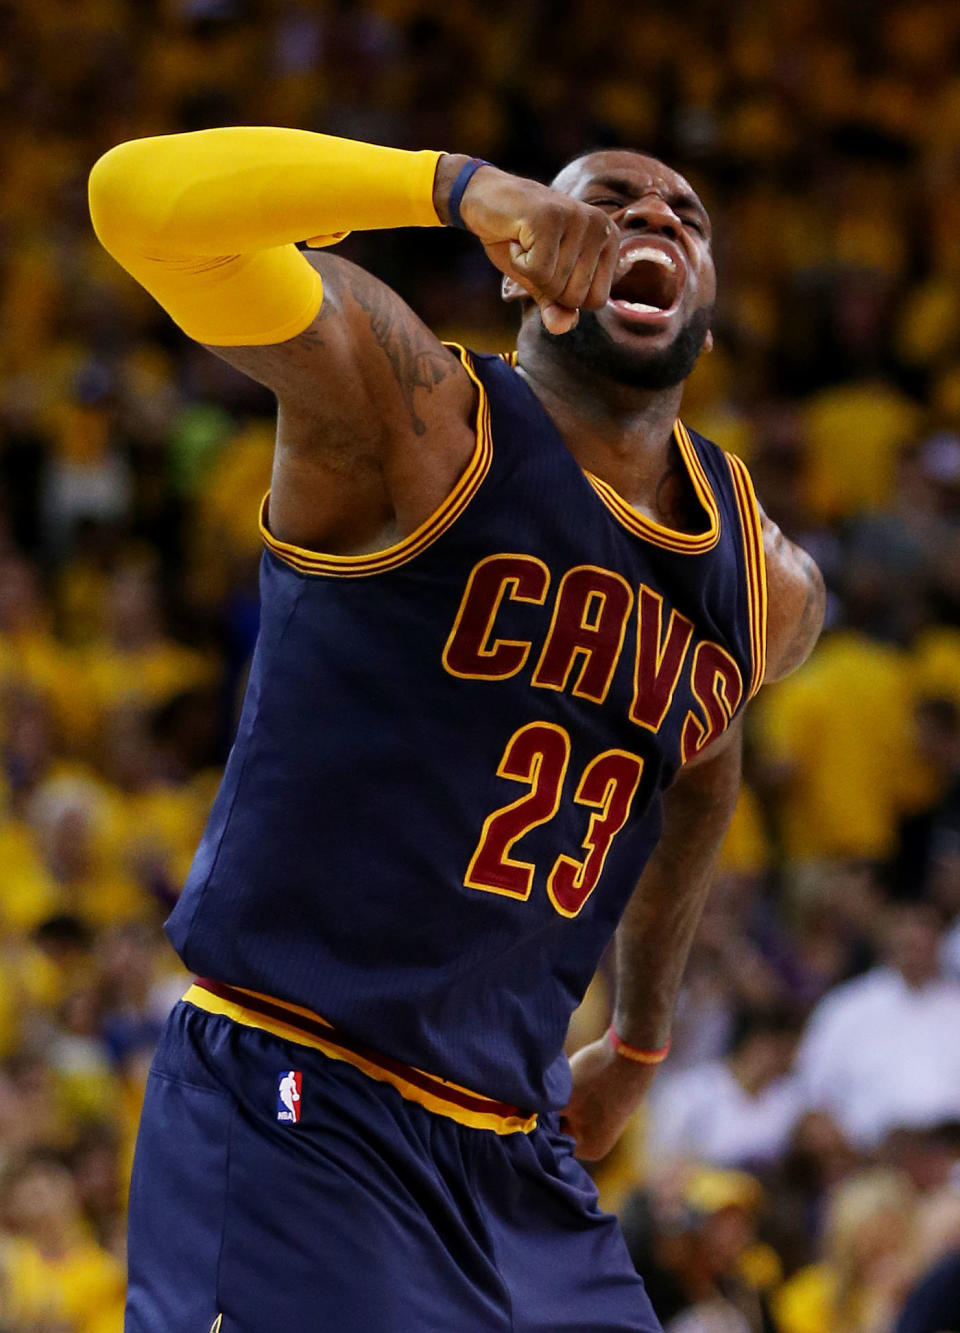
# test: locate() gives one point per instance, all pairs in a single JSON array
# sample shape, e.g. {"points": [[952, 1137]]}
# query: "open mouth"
{"points": [[651, 286]]}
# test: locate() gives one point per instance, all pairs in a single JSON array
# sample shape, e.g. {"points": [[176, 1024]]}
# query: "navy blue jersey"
{"points": [[447, 774]]}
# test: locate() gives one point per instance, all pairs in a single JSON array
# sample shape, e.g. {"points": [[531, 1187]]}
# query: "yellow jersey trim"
{"points": [[440, 1096], [751, 525], [684, 543], [377, 562], [690, 543]]}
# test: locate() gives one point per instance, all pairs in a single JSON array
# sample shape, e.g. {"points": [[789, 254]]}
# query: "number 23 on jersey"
{"points": [[538, 755]]}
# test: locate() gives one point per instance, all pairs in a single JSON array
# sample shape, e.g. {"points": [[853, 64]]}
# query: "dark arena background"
{"points": [[797, 1167]]}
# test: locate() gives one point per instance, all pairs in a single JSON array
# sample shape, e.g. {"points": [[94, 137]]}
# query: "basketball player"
{"points": [[512, 611]]}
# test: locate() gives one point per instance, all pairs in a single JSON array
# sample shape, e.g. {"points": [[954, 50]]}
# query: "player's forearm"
{"points": [[246, 188], [206, 222], [653, 941], [657, 929]]}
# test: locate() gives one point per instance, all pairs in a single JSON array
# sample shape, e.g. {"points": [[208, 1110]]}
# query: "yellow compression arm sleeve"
{"points": [[206, 221]]}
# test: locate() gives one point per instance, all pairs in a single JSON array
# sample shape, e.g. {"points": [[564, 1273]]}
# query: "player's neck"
{"points": [[620, 433]]}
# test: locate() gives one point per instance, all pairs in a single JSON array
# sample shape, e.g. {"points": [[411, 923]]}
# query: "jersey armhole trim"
{"points": [[377, 562], [751, 528]]}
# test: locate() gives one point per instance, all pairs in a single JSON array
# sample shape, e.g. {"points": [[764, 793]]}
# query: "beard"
{"points": [[592, 347]]}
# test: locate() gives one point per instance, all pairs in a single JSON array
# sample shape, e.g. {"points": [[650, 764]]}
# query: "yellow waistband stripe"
{"points": [[293, 1023]]}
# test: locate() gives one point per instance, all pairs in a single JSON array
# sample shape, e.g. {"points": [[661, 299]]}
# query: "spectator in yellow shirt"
{"points": [[138, 664], [836, 744], [867, 1264], [84, 1282], [30, 656]]}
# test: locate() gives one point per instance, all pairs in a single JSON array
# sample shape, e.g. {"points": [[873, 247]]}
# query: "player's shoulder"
{"points": [[791, 587], [797, 601]]}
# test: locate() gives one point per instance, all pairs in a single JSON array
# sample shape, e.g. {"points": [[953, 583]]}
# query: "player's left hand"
{"points": [[607, 1089]]}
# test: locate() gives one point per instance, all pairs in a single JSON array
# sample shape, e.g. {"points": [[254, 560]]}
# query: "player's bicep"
{"points": [[796, 603], [376, 418], [365, 350]]}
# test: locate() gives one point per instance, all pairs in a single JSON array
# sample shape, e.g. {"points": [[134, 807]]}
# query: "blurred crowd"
{"points": [[797, 1169]]}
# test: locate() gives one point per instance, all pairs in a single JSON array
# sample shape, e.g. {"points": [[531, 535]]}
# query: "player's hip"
{"points": [[300, 1037], [259, 1157], [330, 1113], [283, 1086]]}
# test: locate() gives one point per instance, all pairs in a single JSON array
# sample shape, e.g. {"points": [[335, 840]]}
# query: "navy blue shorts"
{"points": [[275, 1188]]}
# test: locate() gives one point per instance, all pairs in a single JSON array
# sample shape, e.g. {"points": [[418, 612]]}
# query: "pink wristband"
{"points": [[634, 1052]]}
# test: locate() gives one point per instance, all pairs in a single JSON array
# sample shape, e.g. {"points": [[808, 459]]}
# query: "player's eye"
{"points": [[696, 224], [606, 202]]}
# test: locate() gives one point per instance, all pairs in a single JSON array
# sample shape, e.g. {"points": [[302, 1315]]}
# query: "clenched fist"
{"points": [[562, 251]]}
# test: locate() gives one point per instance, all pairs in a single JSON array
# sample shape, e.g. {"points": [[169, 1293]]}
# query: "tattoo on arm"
{"points": [[416, 363], [292, 349], [310, 337]]}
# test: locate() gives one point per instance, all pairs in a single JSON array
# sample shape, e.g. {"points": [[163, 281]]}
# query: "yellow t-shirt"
{"points": [[746, 847], [854, 432], [48, 668], [105, 889], [808, 1303], [83, 1292], [10, 1007], [88, 1285], [28, 892], [935, 663], [145, 678], [165, 823], [805, 1303], [24, 1281], [842, 730]]}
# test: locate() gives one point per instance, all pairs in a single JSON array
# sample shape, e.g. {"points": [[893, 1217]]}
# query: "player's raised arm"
{"points": [[208, 223]]}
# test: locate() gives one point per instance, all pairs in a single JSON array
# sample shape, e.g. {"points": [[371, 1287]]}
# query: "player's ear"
{"points": [[708, 341], [511, 290]]}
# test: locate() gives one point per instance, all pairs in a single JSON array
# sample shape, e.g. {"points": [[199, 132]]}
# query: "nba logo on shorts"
{"points": [[288, 1096]]}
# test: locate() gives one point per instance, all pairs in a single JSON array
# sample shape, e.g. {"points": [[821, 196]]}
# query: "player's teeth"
{"points": [[640, 306], [651, 253]]}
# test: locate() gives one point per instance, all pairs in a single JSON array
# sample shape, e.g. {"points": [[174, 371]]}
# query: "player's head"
{"points": [[657, 321]]}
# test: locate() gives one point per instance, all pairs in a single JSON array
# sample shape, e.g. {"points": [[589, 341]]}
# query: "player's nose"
{"points": [[651, 213]]}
